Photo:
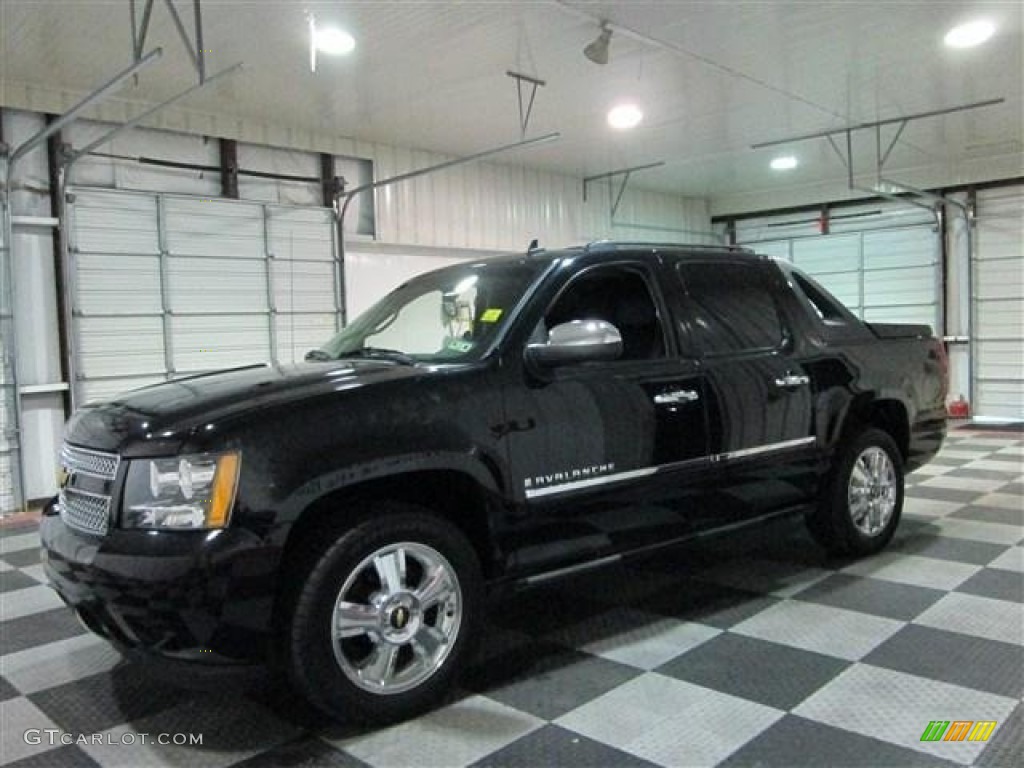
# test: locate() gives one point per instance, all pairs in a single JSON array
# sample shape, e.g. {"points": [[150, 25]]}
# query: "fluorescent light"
{"points": [[334, 41], [970, 34], [625, 116], [784, 163]]}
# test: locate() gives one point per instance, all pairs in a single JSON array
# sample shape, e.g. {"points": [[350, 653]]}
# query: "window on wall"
{"points": [[732, 307]]}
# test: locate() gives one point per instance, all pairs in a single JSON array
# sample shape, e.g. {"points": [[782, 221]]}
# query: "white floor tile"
{"points": [[831, 631], [24, 602], [1002, 467], [671, 722], [911, 569], [1001, 500], [45, 666], [36, 572], [981, 485], [979, 616], [454, 736], [897, 707], [929, 507], [931, 470], [19, 543], [21, 723], [1011, 560], [993, 533]]}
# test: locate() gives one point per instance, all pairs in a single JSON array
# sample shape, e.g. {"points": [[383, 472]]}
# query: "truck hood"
{"points": [[157, 419]]}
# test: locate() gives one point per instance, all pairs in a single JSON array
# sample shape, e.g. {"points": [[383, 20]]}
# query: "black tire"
{"points": [[833, 523], [326, 670]]}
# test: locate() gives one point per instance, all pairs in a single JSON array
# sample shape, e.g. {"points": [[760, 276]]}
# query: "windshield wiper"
{"points": [[380, 353], [317, 355]]}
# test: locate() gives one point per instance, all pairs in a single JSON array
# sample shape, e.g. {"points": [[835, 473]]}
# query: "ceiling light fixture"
{"points": [[970, 34], [334, 41], [625, 116], [784, 163], [597, 51]]}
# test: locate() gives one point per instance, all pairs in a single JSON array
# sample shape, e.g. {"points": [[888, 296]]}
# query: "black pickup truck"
{"points": [[489, 425]]}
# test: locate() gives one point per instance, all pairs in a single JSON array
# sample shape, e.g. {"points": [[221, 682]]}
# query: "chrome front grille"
{"points": [[86, 510]]}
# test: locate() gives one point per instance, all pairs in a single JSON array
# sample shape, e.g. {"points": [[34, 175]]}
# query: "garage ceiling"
{"points": [[713, 78]]}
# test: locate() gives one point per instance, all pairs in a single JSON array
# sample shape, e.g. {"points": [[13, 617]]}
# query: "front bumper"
{"points": [[204, 596]]}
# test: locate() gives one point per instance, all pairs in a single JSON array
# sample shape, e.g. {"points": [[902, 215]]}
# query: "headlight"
{"points": [[181, 493]]}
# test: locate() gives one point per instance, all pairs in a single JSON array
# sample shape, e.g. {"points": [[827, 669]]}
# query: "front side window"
{"points": [[451, 315], [732, 307], [618, 295]]}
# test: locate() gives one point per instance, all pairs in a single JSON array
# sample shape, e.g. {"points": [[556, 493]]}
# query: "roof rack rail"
{"points": [[647, 244]]}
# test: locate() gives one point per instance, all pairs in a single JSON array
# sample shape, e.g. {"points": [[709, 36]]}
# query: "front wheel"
{"points": [[386, 617], [861, 504]]}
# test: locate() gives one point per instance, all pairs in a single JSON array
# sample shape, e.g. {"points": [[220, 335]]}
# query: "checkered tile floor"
{"points": [[754, 651]]}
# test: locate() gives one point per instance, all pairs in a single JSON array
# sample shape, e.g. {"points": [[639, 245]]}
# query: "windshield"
{"points": [[451, 315]]}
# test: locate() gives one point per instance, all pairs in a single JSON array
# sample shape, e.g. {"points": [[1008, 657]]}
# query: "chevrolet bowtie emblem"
{"points": [[400, 618], [64, 476]]}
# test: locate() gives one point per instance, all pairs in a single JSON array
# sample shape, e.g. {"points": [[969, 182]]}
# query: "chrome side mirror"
{"points": [[578, 341]]}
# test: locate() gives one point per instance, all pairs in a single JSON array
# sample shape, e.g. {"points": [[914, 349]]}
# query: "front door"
{"points": [[606, 454]]}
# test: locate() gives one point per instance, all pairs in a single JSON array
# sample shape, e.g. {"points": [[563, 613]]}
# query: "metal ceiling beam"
{"points": [[879, 123], [625, 173], [98, 95], [139, 119], [524, 117], [195, 50]]}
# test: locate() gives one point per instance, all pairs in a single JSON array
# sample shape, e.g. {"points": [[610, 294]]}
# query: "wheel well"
{"points": [[453, 495], [891, 416]]}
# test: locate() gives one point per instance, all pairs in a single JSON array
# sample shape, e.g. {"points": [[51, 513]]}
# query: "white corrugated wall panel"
{"points": [[112, 283], [998, 337], [208, 227], [108, 347], [205, 343], [297, 334], [303, 286], [209, 286], [114, 222]]}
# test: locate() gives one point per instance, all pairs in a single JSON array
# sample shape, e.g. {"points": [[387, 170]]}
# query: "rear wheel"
{"points": [[862, 502], [386, 616]]}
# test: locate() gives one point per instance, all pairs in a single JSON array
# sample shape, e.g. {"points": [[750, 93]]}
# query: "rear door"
{"points": [[758, 396]]}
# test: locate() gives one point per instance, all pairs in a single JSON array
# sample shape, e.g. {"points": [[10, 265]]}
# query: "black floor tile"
{"points": [[17, 530], [305, 752], [12, 580], [23, 558], [546, 609], [38, 629], [753, 669], [7, 691], [102, 701], [67, 756], [982, 474], [795, 742], [971, 662], [706, 603], [1013, 489], [881, 598], [556, 746], [948, 548], [992, 514], [1006, 745], [995, 583], [547, 680]]}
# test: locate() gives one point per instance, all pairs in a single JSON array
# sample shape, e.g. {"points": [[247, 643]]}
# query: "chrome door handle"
{"points": [[792, 380], [676, 396]]}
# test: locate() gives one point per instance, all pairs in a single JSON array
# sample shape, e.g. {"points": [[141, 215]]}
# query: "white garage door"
{"points": [[168, 285], [10, 497], [998, 350], [881, 261]]}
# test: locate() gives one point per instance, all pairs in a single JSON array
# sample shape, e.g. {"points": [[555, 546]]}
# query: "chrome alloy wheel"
{"points": [[396, 618], [872, 491]]}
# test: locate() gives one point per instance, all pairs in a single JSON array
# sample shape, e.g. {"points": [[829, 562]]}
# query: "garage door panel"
{"points": [[298, 233], [95, 391], [297, 334], [900, 287], [205, 343], [916, 315], [111, 222], [213, 228], [112, 346], [118, 284], [900, 248], [821, 255], [845, 287], [303, 286], [998, 350], [216, 285], [999, 279]]}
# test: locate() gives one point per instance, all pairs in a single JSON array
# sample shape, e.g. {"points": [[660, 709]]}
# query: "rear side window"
{"points": [[732, 307]]}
